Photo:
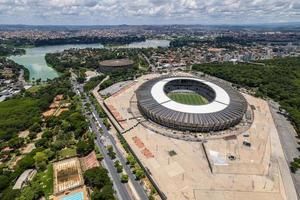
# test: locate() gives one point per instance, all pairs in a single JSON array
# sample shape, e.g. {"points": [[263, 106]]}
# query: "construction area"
{"points": [[244, 164]]}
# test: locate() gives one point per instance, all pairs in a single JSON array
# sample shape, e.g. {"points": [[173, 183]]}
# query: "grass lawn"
{"points": [[188, 98], [68, 152]]}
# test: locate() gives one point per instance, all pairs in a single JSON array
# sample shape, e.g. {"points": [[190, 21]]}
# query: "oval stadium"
{"points": [[190, 104], [115, 65]]}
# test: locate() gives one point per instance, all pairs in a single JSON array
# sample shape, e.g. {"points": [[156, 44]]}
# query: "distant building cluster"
{"points": [[185, 56], [11, 79]]}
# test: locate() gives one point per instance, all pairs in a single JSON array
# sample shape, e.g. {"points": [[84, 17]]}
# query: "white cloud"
{"points": [[147, 11]]}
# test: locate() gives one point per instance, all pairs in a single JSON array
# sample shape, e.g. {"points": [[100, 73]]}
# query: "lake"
{"points": [[34, 59]]}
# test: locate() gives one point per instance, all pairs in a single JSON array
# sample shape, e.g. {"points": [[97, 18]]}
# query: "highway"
{"points": [[100, 141], [120, 188], [288, 139], [138, 187]]}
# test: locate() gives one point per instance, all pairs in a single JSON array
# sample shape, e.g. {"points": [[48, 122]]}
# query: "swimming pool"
{"points": [[74, 196]]}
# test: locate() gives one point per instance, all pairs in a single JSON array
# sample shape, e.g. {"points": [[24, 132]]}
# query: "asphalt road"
{"points": [[109, 165], [138, 187], [289, 142], [119, 187]]}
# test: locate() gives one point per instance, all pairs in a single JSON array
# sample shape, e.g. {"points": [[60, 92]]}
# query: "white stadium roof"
{"points": [[220, 102]]}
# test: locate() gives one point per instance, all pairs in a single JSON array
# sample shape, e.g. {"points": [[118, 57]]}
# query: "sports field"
{"points": [[188, 98]]}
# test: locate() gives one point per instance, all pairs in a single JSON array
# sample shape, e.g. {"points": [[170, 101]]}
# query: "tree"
{"points": [[50, 154], [131, 160], [26, 162], [57, 145], [10, 194], [40, 160], [84, 147], [4, 182], [139, 174], [107, 193], [43, 142], [111, 152], [15, 142], [118, 166], [97, 177], [32, 192], [32, 135], [35, 128], [151, 197], [295, 165], [106, 123], [124, 178], [81, 79], [47, 134]]}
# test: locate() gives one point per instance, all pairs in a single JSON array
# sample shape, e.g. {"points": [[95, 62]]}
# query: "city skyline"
{"points": [[154, 12]]}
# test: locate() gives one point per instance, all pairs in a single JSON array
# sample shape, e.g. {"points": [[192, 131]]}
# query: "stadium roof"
{"points": [[220, 103], [225, 109], [116, 62]]}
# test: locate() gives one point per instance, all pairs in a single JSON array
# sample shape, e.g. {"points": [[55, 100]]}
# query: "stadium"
{"points": [[115, 65], [190, 104]]}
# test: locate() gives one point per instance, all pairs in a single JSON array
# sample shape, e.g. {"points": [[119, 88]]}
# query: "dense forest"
{"points": [[22, 111], [278, 79]]}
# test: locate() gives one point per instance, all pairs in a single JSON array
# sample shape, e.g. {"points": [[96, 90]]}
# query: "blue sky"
{"points": [[103, 12]]}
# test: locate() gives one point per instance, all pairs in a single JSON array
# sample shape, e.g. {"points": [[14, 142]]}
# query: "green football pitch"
{"points": [[188, 98]]}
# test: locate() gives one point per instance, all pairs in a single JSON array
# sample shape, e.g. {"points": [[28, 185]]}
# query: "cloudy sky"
{"points": [[102, 12]]}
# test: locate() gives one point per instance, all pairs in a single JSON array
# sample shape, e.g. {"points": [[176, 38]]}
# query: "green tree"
{"points": [[32, 192], [131, 160], [139, 174], [124, 178], [107, 193], [97, 177], [26, 162], [118, 166], [35, 128], [43, 142], [106, 123], [84, 147], [111, 152], [4, 182], [10, 194], [15, 142], [41, 160], [295, 165]]}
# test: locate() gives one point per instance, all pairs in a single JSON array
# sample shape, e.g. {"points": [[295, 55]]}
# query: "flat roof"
{"points": [[117, 62], [220, 102]]}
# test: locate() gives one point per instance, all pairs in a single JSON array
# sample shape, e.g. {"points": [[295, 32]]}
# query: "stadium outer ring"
{"points": [[225, 110]]}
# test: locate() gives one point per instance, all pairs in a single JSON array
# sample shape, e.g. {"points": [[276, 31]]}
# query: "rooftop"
{"points": [[116, 62]]}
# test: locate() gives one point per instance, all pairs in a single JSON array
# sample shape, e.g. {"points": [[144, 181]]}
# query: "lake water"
{"points": [[34, 59]]}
